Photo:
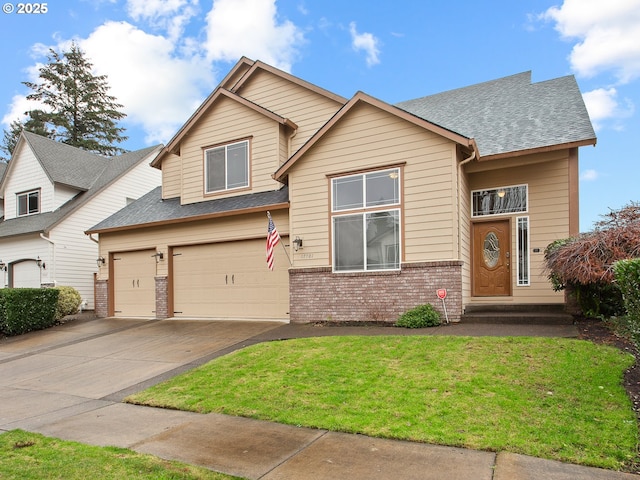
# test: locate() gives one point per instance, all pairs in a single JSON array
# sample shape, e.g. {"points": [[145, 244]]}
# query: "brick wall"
{"points": [[162, 296], [319, 295], [102, 298]]}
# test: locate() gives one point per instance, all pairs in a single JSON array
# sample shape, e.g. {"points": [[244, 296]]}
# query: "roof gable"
{"points": [[511, 114], [174, 144], [363, 97]]}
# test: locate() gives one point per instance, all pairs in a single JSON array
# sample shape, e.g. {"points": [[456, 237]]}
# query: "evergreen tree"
{"points": [[78, 109]]}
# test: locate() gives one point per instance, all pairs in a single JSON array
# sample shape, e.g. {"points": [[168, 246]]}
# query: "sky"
{"points": [[162, 58]]}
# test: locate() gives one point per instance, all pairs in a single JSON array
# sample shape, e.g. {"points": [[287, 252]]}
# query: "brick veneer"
{"points": [[318, 294], [162, 295], [102, 298]]}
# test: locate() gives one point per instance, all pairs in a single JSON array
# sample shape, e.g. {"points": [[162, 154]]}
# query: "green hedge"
{"points": [[69, 301], [419, 317], [627, 274], [23, 310]]}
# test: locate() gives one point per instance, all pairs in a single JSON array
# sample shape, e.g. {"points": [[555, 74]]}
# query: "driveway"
{"points": [[78, 365]]}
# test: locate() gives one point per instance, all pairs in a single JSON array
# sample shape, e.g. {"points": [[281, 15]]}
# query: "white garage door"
{"points": [[26, 275], [134, 284], [230, 280]]}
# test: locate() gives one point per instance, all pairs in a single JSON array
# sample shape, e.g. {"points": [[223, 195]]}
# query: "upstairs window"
{"points": [[227, 167], [366, 221], [28, 203]]}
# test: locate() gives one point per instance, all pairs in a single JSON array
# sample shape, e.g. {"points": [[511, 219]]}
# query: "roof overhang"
{"points": [[544, 149]]}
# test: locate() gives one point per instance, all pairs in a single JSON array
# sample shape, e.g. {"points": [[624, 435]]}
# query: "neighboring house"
{"points": [[378, 206], [51, 193]]}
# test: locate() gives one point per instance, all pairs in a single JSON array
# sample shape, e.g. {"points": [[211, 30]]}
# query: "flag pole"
{"points": [[281, 243]]}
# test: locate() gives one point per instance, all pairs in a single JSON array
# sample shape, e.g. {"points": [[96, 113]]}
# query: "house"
{"points": [[378, 206], [51, 193]]}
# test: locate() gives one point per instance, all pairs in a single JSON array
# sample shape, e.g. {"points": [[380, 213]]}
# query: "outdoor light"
{"points": [[100, 261], [159, 256], [3, 266], [297, 244], [501, 193], [39, 262]]}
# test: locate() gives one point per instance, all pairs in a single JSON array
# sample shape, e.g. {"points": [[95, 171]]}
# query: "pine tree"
{"points": [[78, 108]]}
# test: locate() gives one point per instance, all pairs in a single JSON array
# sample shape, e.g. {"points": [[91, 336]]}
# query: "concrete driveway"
{"points": [[78, 365]]}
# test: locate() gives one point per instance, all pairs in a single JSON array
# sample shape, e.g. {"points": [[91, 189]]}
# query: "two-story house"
{"points": [[378, 206], [51, 193]]}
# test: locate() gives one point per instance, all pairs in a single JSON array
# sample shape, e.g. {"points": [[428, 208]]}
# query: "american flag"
{"points": [[272, 240]]}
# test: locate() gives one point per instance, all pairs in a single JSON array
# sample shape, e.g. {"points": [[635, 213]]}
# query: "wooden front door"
{"points": [[491, 259]]}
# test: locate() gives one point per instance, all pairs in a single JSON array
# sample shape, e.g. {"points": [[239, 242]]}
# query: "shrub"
{"points": [[627, 274], [26, 309], [69, 300], [419, 317]]}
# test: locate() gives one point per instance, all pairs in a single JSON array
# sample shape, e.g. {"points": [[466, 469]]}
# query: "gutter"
{"points": [[53, 256], [463, 162]]}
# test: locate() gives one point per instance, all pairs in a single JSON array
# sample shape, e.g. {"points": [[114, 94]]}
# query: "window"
{"points": [[499, 201], [227, 167], [28, 203], [523, 251], [368, 237]]}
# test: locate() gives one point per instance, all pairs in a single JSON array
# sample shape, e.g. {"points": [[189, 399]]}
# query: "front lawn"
{"points": [[546, 397], [26, 456]]}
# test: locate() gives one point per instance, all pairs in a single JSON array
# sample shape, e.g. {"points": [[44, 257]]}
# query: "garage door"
{"points": [[26, 275], [134, 284], [230, 280]]}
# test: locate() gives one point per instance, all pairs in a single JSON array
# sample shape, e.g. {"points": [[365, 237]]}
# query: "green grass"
{"points": [[29, 456], [551, 398]]}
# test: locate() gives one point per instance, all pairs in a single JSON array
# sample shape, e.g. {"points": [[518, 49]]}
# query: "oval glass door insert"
{"points": [[491, 250]]}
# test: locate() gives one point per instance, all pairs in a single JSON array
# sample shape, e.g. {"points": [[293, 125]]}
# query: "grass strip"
{"points": [[30, 456]]}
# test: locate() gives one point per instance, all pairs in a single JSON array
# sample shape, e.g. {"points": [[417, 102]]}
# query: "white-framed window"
{"points": [[28, 203], [227, 167], [500, 201], [365, 230], [522, 247]]}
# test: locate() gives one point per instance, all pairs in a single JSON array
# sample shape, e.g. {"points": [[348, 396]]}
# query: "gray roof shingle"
{"points": [[87, 172], [152, 209], [510, 114]]}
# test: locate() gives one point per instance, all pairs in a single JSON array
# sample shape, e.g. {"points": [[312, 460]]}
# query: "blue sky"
{"points": [[163, 57]]}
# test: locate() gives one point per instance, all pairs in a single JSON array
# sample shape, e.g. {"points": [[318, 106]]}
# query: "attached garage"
{"points": [[134, 293], [25, 274], [229, 280]]}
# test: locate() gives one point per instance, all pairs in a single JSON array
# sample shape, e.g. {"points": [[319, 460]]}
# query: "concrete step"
{"points": [[535, 314]]}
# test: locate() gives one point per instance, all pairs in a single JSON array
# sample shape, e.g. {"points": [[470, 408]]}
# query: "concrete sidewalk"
{"points": [[68, 382]]}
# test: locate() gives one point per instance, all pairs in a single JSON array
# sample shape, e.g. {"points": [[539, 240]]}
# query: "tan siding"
{"points": [[192, 233], [369, 138], [225, 122], [548, 216], [171, 176], [309, 110]]}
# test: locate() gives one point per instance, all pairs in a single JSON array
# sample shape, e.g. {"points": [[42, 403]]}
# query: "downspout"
{"points": [[463, 162], [53, 257]]}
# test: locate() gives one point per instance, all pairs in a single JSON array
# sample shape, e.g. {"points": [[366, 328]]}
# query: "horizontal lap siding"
{"points": [[307, 109], [225, 122], [369, 138], [548, 215], [171, 176]]}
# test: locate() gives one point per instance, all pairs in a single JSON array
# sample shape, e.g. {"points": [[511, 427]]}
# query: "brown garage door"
{"points": [[134, 284], [230, 280]]}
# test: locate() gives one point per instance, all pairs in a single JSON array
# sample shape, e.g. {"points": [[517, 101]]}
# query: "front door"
{"points": [[491, 259]]}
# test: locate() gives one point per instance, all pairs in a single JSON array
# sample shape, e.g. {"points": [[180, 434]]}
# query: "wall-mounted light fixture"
{"points": [[3, 266], [40, 263], [297, 244], [502, 193], [159, 256], [100, 261]]}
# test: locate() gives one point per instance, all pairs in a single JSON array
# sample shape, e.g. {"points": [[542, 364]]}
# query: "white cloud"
{"points": [[603, 104], [607, 34], [158, 89], [367, 42], [589, 176], [251, 28], [169, 15]]}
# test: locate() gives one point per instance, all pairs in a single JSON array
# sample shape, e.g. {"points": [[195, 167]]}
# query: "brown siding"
{"points": [[171, 176]]}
